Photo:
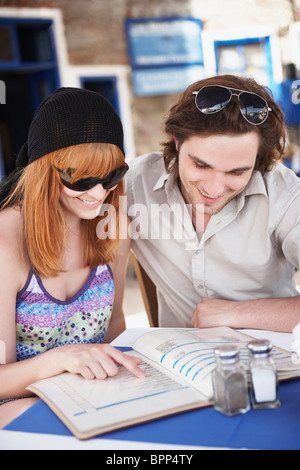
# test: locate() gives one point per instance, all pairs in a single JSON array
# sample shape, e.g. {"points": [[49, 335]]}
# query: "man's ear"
{"points": [[176, 143]]}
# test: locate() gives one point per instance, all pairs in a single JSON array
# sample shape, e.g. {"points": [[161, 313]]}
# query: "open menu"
{"points": [[178, 365]]}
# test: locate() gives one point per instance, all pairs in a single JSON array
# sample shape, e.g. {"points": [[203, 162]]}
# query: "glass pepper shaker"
{"points": [[230, 384], [264, 380]]}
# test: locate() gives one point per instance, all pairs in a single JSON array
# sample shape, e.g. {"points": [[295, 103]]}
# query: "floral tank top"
{"points": [[43, 322]]}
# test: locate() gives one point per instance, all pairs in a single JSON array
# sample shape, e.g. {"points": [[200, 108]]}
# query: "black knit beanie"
{"points": [[70, 116]]}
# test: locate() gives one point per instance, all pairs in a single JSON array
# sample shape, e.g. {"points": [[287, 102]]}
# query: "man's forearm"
{"points": [[281, 314]]}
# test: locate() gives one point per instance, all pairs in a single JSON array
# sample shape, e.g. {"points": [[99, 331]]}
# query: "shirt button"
{"points": [[198, 252]]}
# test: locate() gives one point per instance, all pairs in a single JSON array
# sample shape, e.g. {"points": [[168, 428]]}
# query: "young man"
{"points": [[215, 218]]}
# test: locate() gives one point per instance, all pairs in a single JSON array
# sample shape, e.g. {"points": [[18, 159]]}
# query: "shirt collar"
{"points": [[165, 178], [256, 185]]}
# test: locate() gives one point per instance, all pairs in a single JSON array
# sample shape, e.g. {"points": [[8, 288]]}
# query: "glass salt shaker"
{"points": [[264, 380], [230, 384]]}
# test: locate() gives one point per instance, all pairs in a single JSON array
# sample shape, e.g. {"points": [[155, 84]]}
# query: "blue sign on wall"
{"points": [[164, 41], [158, 43], [165, 80]]}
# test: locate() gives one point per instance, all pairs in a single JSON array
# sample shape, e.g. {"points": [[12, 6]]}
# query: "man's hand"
{"points": [[281, 314], [213, 312]]}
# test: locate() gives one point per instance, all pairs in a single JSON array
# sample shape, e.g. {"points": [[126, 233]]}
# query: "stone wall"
{"points": [[95, 35]]}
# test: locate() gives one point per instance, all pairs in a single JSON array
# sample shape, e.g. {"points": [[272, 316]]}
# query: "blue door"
{"points": [[29, 70]]}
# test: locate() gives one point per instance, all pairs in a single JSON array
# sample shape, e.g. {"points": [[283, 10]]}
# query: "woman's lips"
{"points": [[89, 204]]}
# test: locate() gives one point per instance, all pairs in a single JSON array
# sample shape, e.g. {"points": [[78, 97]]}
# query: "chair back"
{"points": [[148, 291]]}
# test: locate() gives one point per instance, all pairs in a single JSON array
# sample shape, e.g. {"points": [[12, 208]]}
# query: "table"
{"points": [[277, 429]]}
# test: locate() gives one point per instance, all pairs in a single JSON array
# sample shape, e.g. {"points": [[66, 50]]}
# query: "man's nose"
{"points": [[214, 185]]}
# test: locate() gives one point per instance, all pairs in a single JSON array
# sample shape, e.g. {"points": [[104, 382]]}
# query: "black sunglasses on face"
{"points": [[213, 98], [84, 184]]}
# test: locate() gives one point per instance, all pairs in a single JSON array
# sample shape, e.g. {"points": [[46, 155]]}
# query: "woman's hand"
{"points": [[95, 361]]}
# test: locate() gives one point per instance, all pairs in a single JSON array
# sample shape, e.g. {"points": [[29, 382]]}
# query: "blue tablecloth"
{"points": [[276, 429]]}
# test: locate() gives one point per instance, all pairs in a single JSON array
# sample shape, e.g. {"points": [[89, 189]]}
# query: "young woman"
{"points": [[61, 287]]}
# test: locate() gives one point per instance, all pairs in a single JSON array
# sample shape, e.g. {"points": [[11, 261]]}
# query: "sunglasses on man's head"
{"points": [[84, 184], [213, 98]]}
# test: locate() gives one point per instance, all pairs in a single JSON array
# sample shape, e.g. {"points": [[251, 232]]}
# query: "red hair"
{"points": [[38, 191]]}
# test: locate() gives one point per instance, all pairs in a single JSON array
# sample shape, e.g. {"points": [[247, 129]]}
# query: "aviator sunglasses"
{"points": [[84, 184], [213, 98]]}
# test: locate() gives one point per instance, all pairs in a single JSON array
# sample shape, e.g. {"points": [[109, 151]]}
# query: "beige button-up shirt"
{"points": [[249, 250]]}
